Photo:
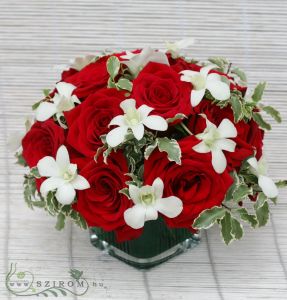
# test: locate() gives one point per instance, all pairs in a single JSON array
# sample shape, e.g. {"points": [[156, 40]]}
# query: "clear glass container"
{"points": [[157, 244]]}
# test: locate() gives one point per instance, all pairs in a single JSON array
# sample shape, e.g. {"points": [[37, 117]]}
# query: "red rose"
{"points": [[249, 135], [102, 205], [160, 87], [194, 181], [43, 139], [88, 121], [90, 79]]}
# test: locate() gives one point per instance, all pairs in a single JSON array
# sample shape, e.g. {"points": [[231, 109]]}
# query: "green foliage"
{"points": [[124, 84], [249, 218], [20, 159], [113, 67], [281, 183], [258, 92], [273, 113], [171, 147], [226, 228], [260, 121], [262, 214], [176, 117], [238, 72], [221, 62], [208, 217]]}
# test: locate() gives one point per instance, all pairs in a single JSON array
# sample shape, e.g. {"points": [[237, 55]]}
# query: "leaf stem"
{"points": [[185, 128]]}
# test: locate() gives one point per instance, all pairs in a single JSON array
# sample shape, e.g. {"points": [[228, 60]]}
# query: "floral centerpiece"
{"points": [[130, 139]]}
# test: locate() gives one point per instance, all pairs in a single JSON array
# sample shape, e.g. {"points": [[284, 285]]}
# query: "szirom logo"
{"points": [[23, 283]]}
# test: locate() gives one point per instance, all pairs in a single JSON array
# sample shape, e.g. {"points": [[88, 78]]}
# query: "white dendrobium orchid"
{"points": [[134, 119], [259, 169], [82, 61], [62, 175], [137, 61], [202, 81], [174, 48], [215, 140], [63, 100], [148, 202]]}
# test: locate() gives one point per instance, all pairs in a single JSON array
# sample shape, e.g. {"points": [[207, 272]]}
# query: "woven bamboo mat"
{"points": [[36, 35]]}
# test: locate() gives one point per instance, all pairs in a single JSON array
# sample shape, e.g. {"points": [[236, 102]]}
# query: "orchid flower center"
{"points": [[210, 135], [70, 173], [132, 117], [147, 195], [198, 81]]}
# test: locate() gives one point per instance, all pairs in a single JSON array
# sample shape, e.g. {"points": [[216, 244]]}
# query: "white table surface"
{"points": [[36, 35]]}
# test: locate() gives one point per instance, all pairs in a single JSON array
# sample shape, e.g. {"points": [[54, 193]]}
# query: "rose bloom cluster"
{"points": [[100, 105]]}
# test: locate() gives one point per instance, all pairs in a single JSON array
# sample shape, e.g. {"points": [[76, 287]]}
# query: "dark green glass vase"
{"points": [[157, 244]]}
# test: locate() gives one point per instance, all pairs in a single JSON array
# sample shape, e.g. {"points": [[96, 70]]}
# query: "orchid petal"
{"points": [[196, 96], [219, 162], [65, 89], [213, 77], [155, 123], [171, 206], [225, 144], [118, 120], [45, 111], [205, 70], [51, 184], [116, 136], [262, 166], [144, 111], [253, 163], [134, 192], [80, 183], [227, 129], [201, 148], [128, 104], [135, 216], [62, 158], [48, 167], [158, 187], [268, 186], [150, 213], [218, 89], [66, 194], [138, 131]]}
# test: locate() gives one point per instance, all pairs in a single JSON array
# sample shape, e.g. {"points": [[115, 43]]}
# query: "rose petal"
{"points": [[268, 186], [66, 194], [158, 187], [196, 97], [48, 167], [51, 184], [135, 216], [116, 136], [219, 162], [227, 129], [170, 206], [45, 111], [155, 123], [80, 183]]}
